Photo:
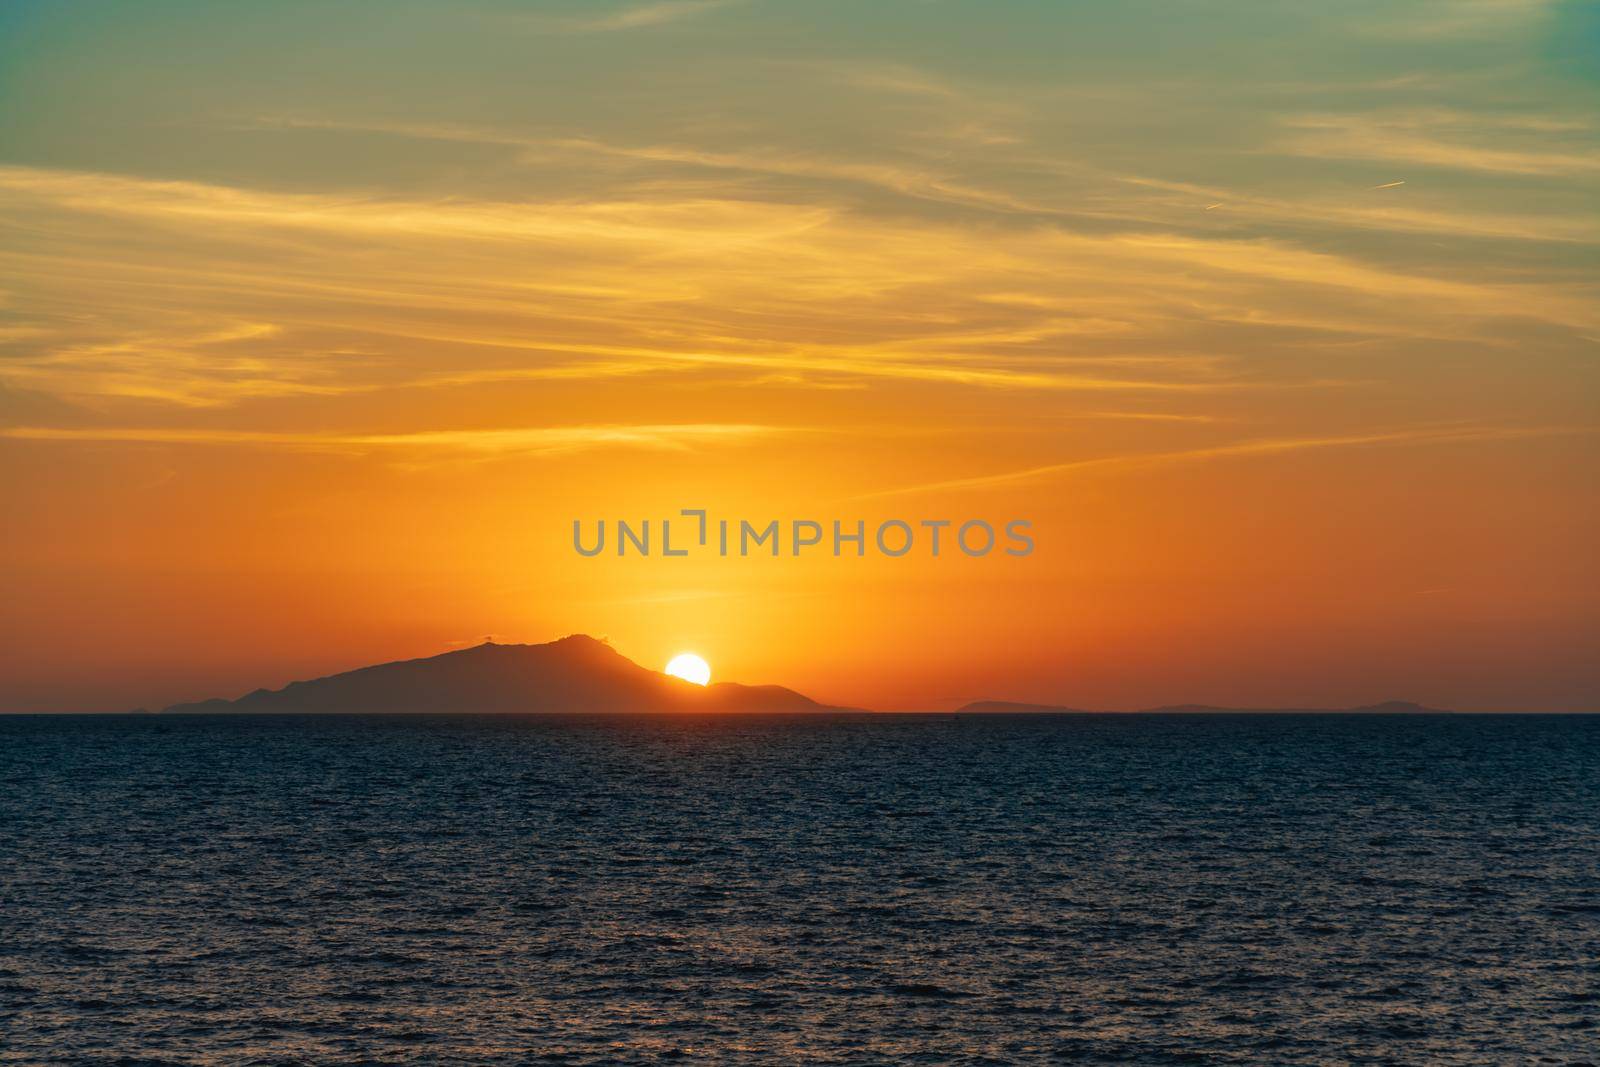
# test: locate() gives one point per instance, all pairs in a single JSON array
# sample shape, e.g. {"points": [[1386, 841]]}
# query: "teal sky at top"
{"points": [[1180, 87]]}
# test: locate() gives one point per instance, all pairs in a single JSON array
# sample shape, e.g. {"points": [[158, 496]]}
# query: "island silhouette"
{"points": [[582, 674], [575, 674]]}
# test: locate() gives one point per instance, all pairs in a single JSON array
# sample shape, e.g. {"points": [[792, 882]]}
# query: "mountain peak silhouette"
{"points": [[577, 673]]}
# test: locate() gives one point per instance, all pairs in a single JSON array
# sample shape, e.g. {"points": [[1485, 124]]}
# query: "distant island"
{"points": [[1388, 707], [575, 674], [581, 674]]}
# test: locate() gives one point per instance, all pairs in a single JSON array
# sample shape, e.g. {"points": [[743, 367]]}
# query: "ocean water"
{"points": [[895, 889]]}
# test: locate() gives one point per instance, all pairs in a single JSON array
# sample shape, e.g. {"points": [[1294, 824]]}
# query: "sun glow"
{"points": [[689, 667]]}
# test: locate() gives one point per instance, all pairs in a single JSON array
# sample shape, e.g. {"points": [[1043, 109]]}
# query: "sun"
{"points": [[689, 667]]}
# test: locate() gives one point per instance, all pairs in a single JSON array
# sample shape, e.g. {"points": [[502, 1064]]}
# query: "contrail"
{"points": [[1389, 185]]}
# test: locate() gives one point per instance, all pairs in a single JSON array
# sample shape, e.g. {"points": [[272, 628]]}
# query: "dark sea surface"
{"points": [[897, 889]]}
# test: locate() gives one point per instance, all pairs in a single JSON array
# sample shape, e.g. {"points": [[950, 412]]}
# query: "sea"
{"points": [[827, 889]]}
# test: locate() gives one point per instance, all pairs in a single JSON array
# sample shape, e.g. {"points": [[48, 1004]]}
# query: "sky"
{"points": [[321, 324]]}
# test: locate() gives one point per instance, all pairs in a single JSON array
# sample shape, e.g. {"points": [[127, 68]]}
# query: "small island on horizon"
{"points": [[579, 674], [1387, 707]]}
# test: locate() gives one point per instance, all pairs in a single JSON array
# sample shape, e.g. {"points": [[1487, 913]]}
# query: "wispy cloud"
{"points": [[192, 202], [1393, 215], [920, 182], [189, 362], [536, 440], [1435, 435], [638, 16], [1445, 19], [1145, 416], [208, 294], [1427, 139]]}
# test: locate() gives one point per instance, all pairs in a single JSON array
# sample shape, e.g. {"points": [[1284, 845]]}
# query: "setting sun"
{"points": [[689, 667], [1076, 428]]}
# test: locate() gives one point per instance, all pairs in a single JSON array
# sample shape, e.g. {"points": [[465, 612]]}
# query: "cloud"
{"points": [[1445, 19], [1394, 215], [1524, 148], [537, 440], [202, 294], [1252, 447], [916, 182], [1145, 416], [189, 362], [643, 15], [195, 202], [1404, 138]]}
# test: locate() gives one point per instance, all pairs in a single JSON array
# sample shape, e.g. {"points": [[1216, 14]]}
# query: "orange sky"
{"points": [[320, 328]]}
